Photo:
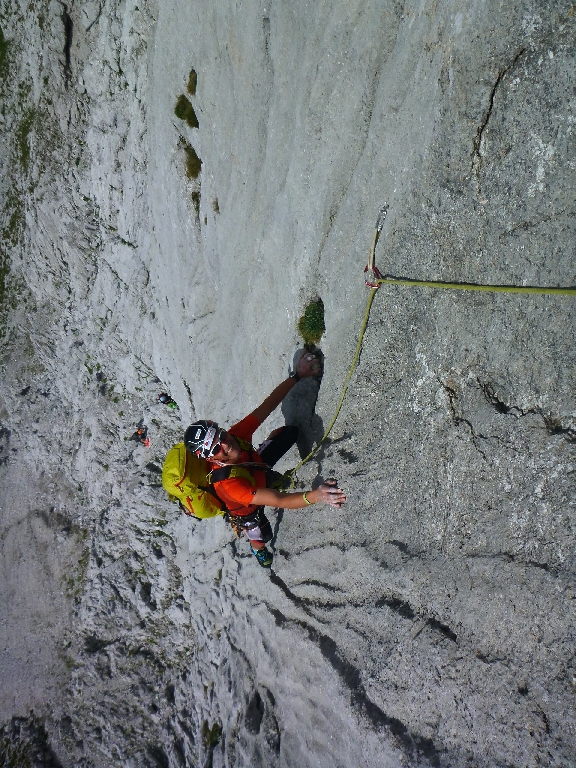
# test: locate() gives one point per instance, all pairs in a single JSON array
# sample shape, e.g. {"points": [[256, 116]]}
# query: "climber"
{"points": [[141, 435], [242, 476]]}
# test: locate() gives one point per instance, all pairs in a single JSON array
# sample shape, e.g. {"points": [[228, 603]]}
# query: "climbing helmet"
{"points": [[201, 439]]}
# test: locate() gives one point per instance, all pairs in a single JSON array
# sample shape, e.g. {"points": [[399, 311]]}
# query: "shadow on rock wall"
{"points": [[298, 408]]}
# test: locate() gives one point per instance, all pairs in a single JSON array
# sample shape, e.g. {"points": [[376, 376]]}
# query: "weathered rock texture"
{"points": [[431, 621]]}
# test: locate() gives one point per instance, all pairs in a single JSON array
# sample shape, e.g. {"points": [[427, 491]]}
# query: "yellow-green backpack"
{"points": [[184, 479]]}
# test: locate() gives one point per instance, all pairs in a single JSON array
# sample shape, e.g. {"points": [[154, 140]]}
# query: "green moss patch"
{"points": [[10, 237], [196, 201], [192, 82], [185, 111], [193, 162], [22, 137], [311, 324], [211, 735], [22, 740]]}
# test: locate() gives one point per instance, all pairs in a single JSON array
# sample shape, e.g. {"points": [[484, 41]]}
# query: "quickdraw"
{"points": [[375, 278], [374, 275]]}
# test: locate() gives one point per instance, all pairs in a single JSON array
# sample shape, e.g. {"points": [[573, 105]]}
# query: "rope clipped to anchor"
{"points": [[374, 279]]}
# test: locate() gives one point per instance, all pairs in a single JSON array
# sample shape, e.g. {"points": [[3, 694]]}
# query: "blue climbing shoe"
{"points": [[263, 556]]}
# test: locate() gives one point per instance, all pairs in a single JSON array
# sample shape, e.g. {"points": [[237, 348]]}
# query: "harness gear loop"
{"points": [[235, 523]]}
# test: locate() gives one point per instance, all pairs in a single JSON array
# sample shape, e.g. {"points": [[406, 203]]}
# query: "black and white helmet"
{"points": [[199, 438]]}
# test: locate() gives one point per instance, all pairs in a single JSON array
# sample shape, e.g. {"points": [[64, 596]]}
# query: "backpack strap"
{"points": [[235, 470], [244, 444], [211, 490]]}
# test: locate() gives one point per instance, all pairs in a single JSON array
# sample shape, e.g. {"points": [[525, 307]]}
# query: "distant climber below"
{"points": [[242, 475], [141, 435]]}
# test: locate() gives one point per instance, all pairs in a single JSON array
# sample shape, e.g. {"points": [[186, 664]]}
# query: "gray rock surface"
{"points": [[431, 621]]}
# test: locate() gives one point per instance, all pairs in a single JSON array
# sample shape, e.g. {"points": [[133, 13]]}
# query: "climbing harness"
{"points": [[374, 279]]}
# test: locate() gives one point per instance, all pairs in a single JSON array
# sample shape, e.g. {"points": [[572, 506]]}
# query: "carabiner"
{"points": [[376, 275]]}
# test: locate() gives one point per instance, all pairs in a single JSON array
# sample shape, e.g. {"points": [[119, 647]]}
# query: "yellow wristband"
{"points": [[305, 499]]}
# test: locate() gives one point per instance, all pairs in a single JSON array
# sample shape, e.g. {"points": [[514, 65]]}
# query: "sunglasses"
{"points": [[217, 444]]}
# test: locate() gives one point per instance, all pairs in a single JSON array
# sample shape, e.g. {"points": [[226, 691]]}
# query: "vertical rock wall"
{"points": [[430, 622]]}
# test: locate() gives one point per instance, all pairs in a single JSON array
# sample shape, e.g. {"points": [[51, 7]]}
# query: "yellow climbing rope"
{"points": [[476, 287], [375, 280]]}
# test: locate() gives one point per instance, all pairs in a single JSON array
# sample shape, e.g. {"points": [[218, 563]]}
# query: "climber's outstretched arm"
{"points": [[327, 493]]}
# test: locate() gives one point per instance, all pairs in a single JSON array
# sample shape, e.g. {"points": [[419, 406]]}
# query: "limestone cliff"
{"points": [[178, 181]]}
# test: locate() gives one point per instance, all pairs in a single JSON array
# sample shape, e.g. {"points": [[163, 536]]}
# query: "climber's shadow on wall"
{"points": [[298, 407]]}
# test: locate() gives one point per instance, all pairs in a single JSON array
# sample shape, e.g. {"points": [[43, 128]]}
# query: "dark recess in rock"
{"points": [[146, 595], [68, 30], [24, 741], [93, 644], [400, 545], [254, 713], [157, 754], [443, 629], [348, 456], [398, 606]]}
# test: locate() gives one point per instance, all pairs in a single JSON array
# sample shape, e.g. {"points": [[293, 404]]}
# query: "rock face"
{"points": [[431, 621]]}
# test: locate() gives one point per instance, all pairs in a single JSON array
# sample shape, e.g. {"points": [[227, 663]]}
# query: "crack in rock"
{"points": [[406, 611], [528, 225], [305, 602], [477, 141], [458, 419], [322, 584], [416, 747], [68, 31], [351, 675], [89, 27], [553, 424], [497, 403], [487, 659], [400, 607]]}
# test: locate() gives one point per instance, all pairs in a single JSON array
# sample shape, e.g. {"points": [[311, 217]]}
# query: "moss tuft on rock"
{"points": [[185, 111], [193, 162], [192, 82], [311, 324], [3, 53], [211, 735], [196, 201]]}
